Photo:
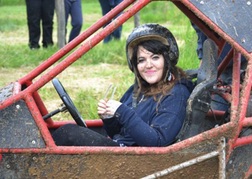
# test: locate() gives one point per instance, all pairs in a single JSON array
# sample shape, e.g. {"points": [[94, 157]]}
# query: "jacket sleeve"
{"points": [[165, 124]]}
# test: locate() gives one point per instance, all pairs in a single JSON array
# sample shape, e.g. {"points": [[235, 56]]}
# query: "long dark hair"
{"points": [[171, 73]]}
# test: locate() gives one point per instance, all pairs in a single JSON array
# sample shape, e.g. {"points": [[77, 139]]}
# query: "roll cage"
{"points": [[224, 148]]}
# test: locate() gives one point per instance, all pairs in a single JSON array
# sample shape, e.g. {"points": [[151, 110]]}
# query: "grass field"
{"points": [[87, 79]]}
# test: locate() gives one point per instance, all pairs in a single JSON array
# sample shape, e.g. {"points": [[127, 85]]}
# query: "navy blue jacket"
{"points": [[147, 124]]}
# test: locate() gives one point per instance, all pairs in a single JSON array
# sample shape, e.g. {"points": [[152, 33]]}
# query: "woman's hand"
{"points": [[101, 109], [107, 109], [112, 106]]}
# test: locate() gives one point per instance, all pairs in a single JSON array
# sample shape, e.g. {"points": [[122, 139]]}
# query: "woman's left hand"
{"points": [[112, 106], [107, 109]]}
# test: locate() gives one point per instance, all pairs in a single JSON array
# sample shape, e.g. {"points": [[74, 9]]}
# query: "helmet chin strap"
{"points": [[134, 100], [135, 93], [169, 78]]}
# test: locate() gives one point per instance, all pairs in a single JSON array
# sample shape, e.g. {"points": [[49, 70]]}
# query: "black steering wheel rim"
{"points": [[68, 102]]}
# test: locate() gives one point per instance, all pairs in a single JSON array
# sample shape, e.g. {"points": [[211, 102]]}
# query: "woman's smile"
{"points": [[150, 72]]}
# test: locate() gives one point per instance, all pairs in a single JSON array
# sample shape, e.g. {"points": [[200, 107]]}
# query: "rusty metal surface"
{"points": [[232, 17], [18, 129], [107, 165]]}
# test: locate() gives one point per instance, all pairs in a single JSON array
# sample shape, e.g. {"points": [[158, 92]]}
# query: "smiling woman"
{"points": [[151, 112]]}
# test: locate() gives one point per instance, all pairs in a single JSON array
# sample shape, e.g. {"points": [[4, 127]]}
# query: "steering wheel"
{"points": [[68, 102]]}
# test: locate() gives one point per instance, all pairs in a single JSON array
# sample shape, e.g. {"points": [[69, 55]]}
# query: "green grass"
{"points": [[104, 64]]}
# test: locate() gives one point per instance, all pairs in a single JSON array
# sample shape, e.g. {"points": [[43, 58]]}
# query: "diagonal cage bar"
{"points": [[196, 160]]}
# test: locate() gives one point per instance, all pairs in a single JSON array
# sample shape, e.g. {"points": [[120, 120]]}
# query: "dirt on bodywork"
{"points": [[107, 165]]}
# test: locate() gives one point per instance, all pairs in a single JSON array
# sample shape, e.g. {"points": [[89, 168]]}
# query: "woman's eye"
{"points": [[155, 57], [140, 61]]}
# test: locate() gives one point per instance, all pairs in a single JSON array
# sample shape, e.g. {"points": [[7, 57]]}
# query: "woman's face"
{"points": [[150, 66]]}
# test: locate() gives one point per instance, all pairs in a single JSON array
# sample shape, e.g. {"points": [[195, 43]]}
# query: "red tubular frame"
{"points": [[32, 98], [26, 89]]}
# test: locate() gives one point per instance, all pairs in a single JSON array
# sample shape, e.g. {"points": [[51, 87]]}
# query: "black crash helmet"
{"points": [[155, 32]]}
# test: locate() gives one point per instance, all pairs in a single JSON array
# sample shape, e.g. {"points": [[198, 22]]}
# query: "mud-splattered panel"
{"points": [[18, 128], [233, 17]]}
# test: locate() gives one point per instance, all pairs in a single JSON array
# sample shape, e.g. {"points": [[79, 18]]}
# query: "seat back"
{"points": [[199, 101]]}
